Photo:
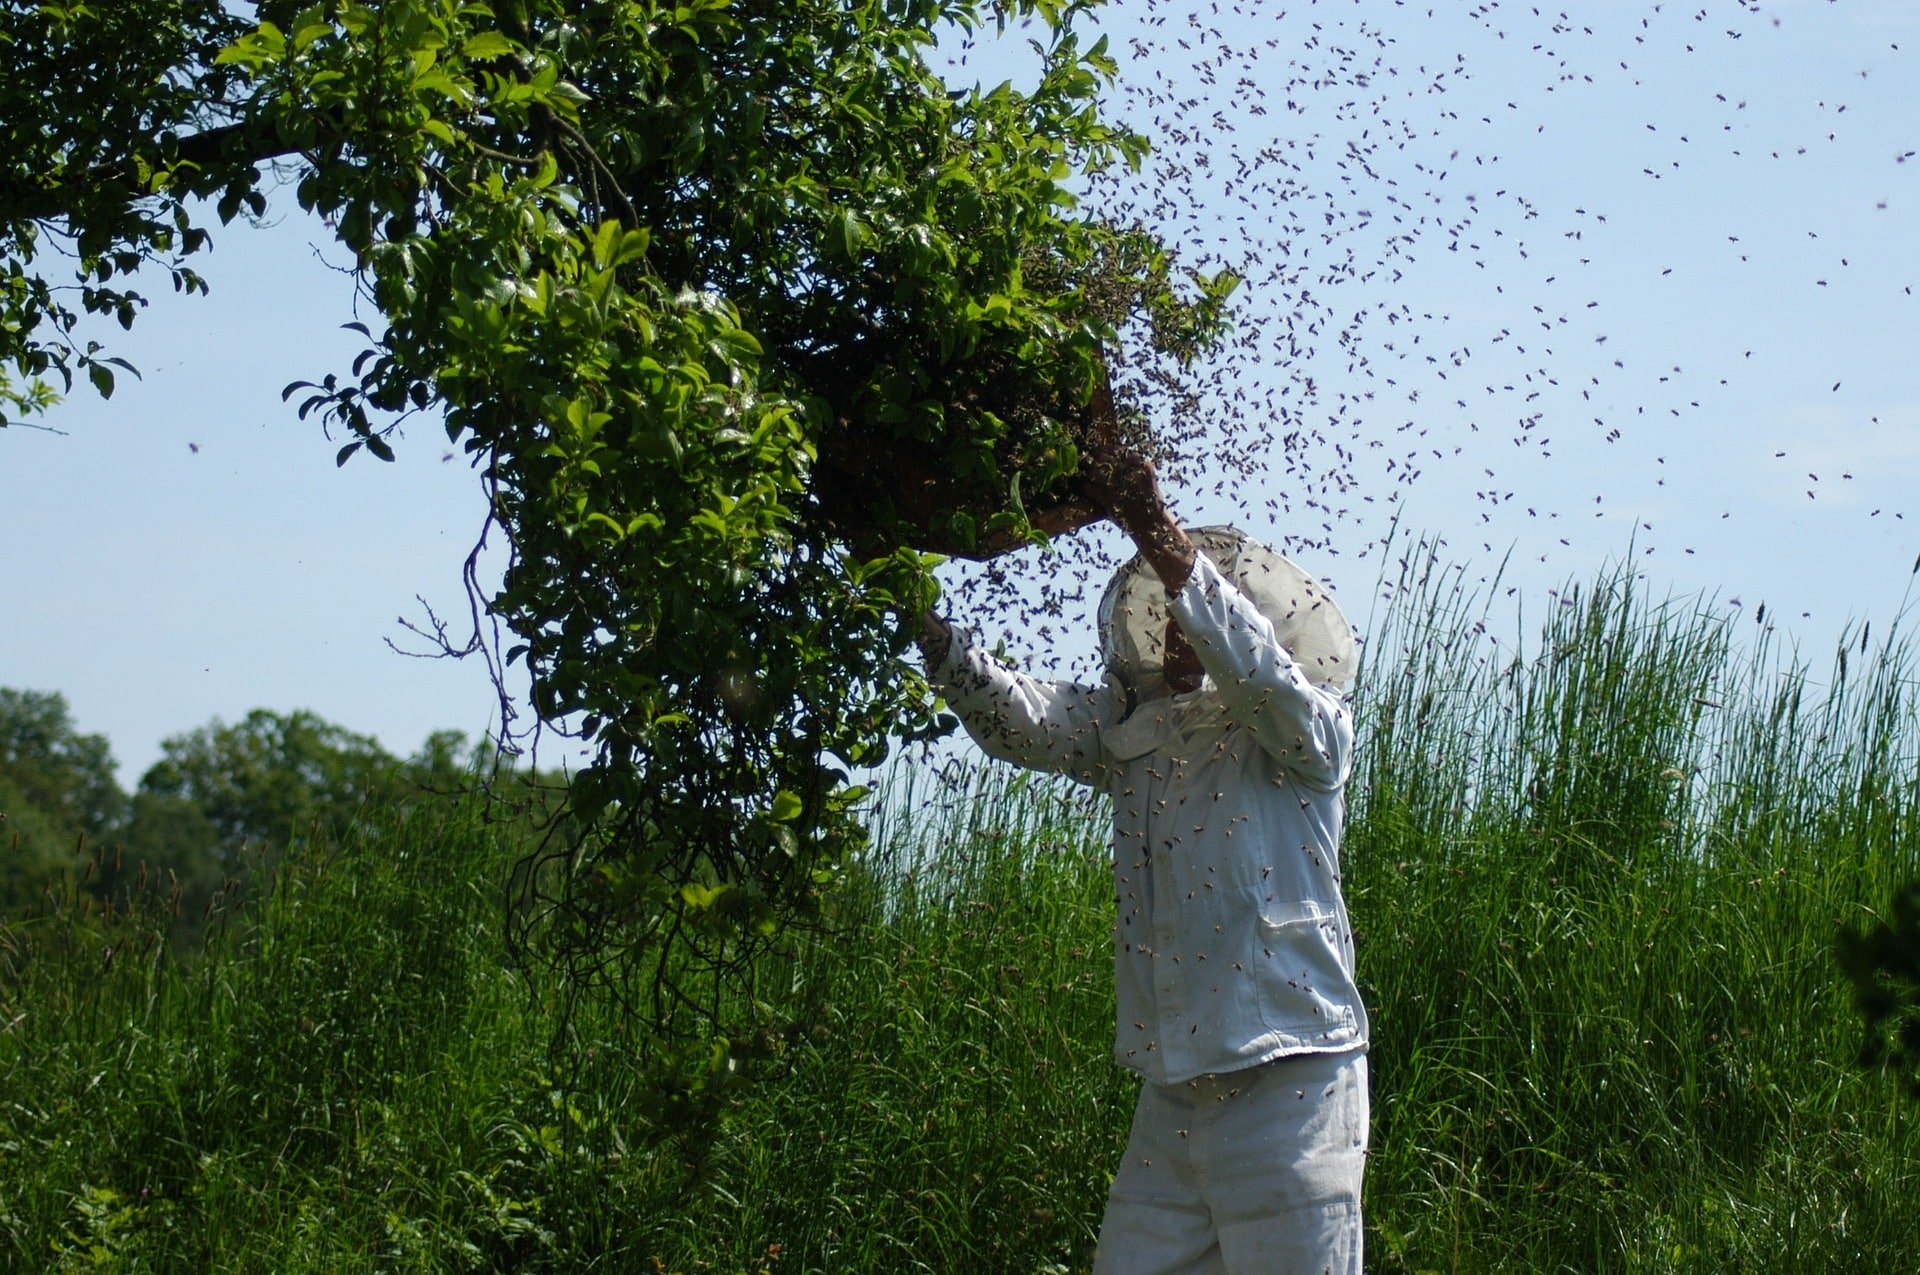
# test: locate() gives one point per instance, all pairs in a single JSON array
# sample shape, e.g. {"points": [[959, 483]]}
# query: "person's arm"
{"points": [[1306, 728], [1124, 485], [936, 639], [1043, 725]]}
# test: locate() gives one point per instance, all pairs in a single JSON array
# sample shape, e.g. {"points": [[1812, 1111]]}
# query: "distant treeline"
{"points": [[221, 800]]}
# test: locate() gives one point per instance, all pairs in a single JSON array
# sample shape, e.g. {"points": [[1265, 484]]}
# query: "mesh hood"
{"points": [[1133, 613]]}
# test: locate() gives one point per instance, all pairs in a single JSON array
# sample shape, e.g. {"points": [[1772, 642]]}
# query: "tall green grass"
{"points": [[1597, 882]]}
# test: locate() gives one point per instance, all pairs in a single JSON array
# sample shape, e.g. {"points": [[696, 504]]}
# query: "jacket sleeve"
{"points": [[1042, 725], [1308, 729]]}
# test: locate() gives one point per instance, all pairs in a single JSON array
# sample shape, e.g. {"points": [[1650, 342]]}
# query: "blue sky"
{"points": [[1749, 425]]}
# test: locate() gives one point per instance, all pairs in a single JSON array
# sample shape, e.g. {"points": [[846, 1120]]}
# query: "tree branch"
{"points": [[227, 145]]}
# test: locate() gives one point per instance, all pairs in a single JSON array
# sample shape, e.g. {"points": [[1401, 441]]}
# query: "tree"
{"points": [[181, 837], [93, 107], [272, 776], [57, 793], [737, 308], [35, 851], [227, 797], [53, 765]]}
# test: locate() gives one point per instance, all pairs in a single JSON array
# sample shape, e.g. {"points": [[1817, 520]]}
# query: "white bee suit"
{"points": [[1232, 947]]}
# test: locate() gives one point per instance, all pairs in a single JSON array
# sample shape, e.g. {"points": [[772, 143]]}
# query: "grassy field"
{"points": [[1597, 883]]}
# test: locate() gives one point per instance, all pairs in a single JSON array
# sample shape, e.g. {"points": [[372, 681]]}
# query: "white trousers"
{"points": [[1253, 1172]]}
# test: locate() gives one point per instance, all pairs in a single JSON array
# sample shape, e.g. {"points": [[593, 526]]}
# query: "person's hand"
{"points": [[936, 638], [1124, 485]]}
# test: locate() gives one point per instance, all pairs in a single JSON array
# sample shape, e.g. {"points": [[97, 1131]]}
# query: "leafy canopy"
{"points": [[737, 308]]}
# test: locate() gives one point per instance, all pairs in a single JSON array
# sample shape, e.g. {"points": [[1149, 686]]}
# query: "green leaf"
{"points": [[305, 36], [786, 807], [606, 244], [548, 170], [488, 44], [848, 236], [263, 44]]}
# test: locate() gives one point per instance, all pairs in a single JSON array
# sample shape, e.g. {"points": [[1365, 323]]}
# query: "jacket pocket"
{"points": [[1304, 992]]}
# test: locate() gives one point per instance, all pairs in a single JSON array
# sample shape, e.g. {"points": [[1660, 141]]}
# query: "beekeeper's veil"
{"points": [[1133, 614]]}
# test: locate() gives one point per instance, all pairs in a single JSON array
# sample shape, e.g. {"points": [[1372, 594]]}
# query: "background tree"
{"points": [[69, 829], [225, 799], [57, 793], [273, 776], [222, 799], [737, 309]]}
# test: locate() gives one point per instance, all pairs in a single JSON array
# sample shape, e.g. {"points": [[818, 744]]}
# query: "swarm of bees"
{"points": [[1418, 197]]}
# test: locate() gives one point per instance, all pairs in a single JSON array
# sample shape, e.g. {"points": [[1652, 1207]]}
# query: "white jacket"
{"points": [[1231, 940]]}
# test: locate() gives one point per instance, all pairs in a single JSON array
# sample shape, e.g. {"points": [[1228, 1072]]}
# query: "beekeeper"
{"points": [[1224, 737]]}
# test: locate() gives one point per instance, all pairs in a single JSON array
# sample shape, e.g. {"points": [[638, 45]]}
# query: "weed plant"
{"points": [[1597, 879]]}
